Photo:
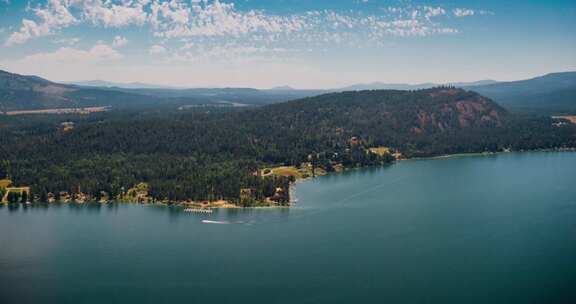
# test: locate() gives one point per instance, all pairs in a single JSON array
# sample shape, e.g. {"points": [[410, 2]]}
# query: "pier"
{"points": [[197, 210]]}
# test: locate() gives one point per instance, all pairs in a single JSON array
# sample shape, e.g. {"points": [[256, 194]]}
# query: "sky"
{"points": [[299, 43]]}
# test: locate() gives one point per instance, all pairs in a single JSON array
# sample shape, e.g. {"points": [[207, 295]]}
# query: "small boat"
{"points": [[215, 222]]}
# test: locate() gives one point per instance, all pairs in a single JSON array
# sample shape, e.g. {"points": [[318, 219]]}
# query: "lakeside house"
{"points": [[7, 191]]}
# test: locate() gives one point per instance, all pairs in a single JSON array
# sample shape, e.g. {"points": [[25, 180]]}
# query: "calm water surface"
{"points": [[493, 229]]}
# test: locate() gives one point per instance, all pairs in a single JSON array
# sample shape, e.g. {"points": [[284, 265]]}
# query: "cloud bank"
{"points": [[214, 19]]}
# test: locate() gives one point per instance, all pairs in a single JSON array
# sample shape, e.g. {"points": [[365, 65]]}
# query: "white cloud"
{"points": [[434, 11], [98, 53], [220, 20], [119, 41], [54, 15], [157, 49], [29, 30], [463, 12], [227, 53], [57, 14], [108, 14], [67, 41], [65, 61], [172, 11]]}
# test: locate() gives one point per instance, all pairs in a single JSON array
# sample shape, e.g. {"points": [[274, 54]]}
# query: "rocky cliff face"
{"points": [[457, 109]]}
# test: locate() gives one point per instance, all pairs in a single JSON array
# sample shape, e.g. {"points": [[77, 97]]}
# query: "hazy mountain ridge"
{"points": [[553, 93], [18, 92], [405, 86], [121, 85], [548, 94]]}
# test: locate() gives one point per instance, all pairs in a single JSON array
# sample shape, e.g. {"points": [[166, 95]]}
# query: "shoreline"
{"points": [[223, 204], [438, 157], [478, 154]]}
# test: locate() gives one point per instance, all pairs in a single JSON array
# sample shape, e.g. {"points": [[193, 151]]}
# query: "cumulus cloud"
{"points": [[215, 19], [53, 16], [109, 14], [119, 41], [68, 62], [98, 53], [58, 14], [67, 41], [463, 12], [29, 30], [157, 49], [219, 19], [433, 11], [226, 53]]}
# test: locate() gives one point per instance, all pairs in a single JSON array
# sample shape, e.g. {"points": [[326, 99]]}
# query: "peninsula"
{"points": [[250, 157]]}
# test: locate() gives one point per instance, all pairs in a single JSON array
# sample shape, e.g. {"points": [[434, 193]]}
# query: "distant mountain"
{"points": [[19, 92], [108, 84], [405, 86], [386, 86], [282, 88], [549, 94], [473, 83]]}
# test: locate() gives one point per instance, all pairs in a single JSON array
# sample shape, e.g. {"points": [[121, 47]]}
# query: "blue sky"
{"points": [[301, 43]]}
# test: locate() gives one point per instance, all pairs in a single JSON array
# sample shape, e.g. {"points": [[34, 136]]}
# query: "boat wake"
{"points": [[216, 222], [227, 222]]}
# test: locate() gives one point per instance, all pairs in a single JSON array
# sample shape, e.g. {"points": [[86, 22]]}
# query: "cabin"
{"points": [[6, 190], [64, 196], [19, 191], [67, 126]]}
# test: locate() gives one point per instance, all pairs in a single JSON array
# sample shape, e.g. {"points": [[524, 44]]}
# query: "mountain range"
{"points": [[405, 86], [110, 84], [549, 94], [552, 93]]}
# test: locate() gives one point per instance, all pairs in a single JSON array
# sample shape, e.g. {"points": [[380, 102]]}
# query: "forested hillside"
{"points": [[209, 156]]}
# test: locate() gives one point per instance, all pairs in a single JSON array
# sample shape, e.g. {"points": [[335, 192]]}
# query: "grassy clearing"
{"points": [[298, 173], [380, 150]]}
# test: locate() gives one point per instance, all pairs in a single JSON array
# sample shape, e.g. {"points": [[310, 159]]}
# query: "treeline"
{"points": [[212, 156]]}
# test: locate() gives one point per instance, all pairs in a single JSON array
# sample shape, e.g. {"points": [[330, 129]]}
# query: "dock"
{"points": [[197, 210]]}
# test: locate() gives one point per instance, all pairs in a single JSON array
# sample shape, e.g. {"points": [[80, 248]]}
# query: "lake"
{"points": [[488, 229]]}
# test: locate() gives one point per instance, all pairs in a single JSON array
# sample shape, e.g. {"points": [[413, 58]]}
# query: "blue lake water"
{"points": [[490, 229]]}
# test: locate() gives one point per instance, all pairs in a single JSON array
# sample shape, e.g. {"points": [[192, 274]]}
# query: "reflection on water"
{"points": [[247, 216], [461, 230]]}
